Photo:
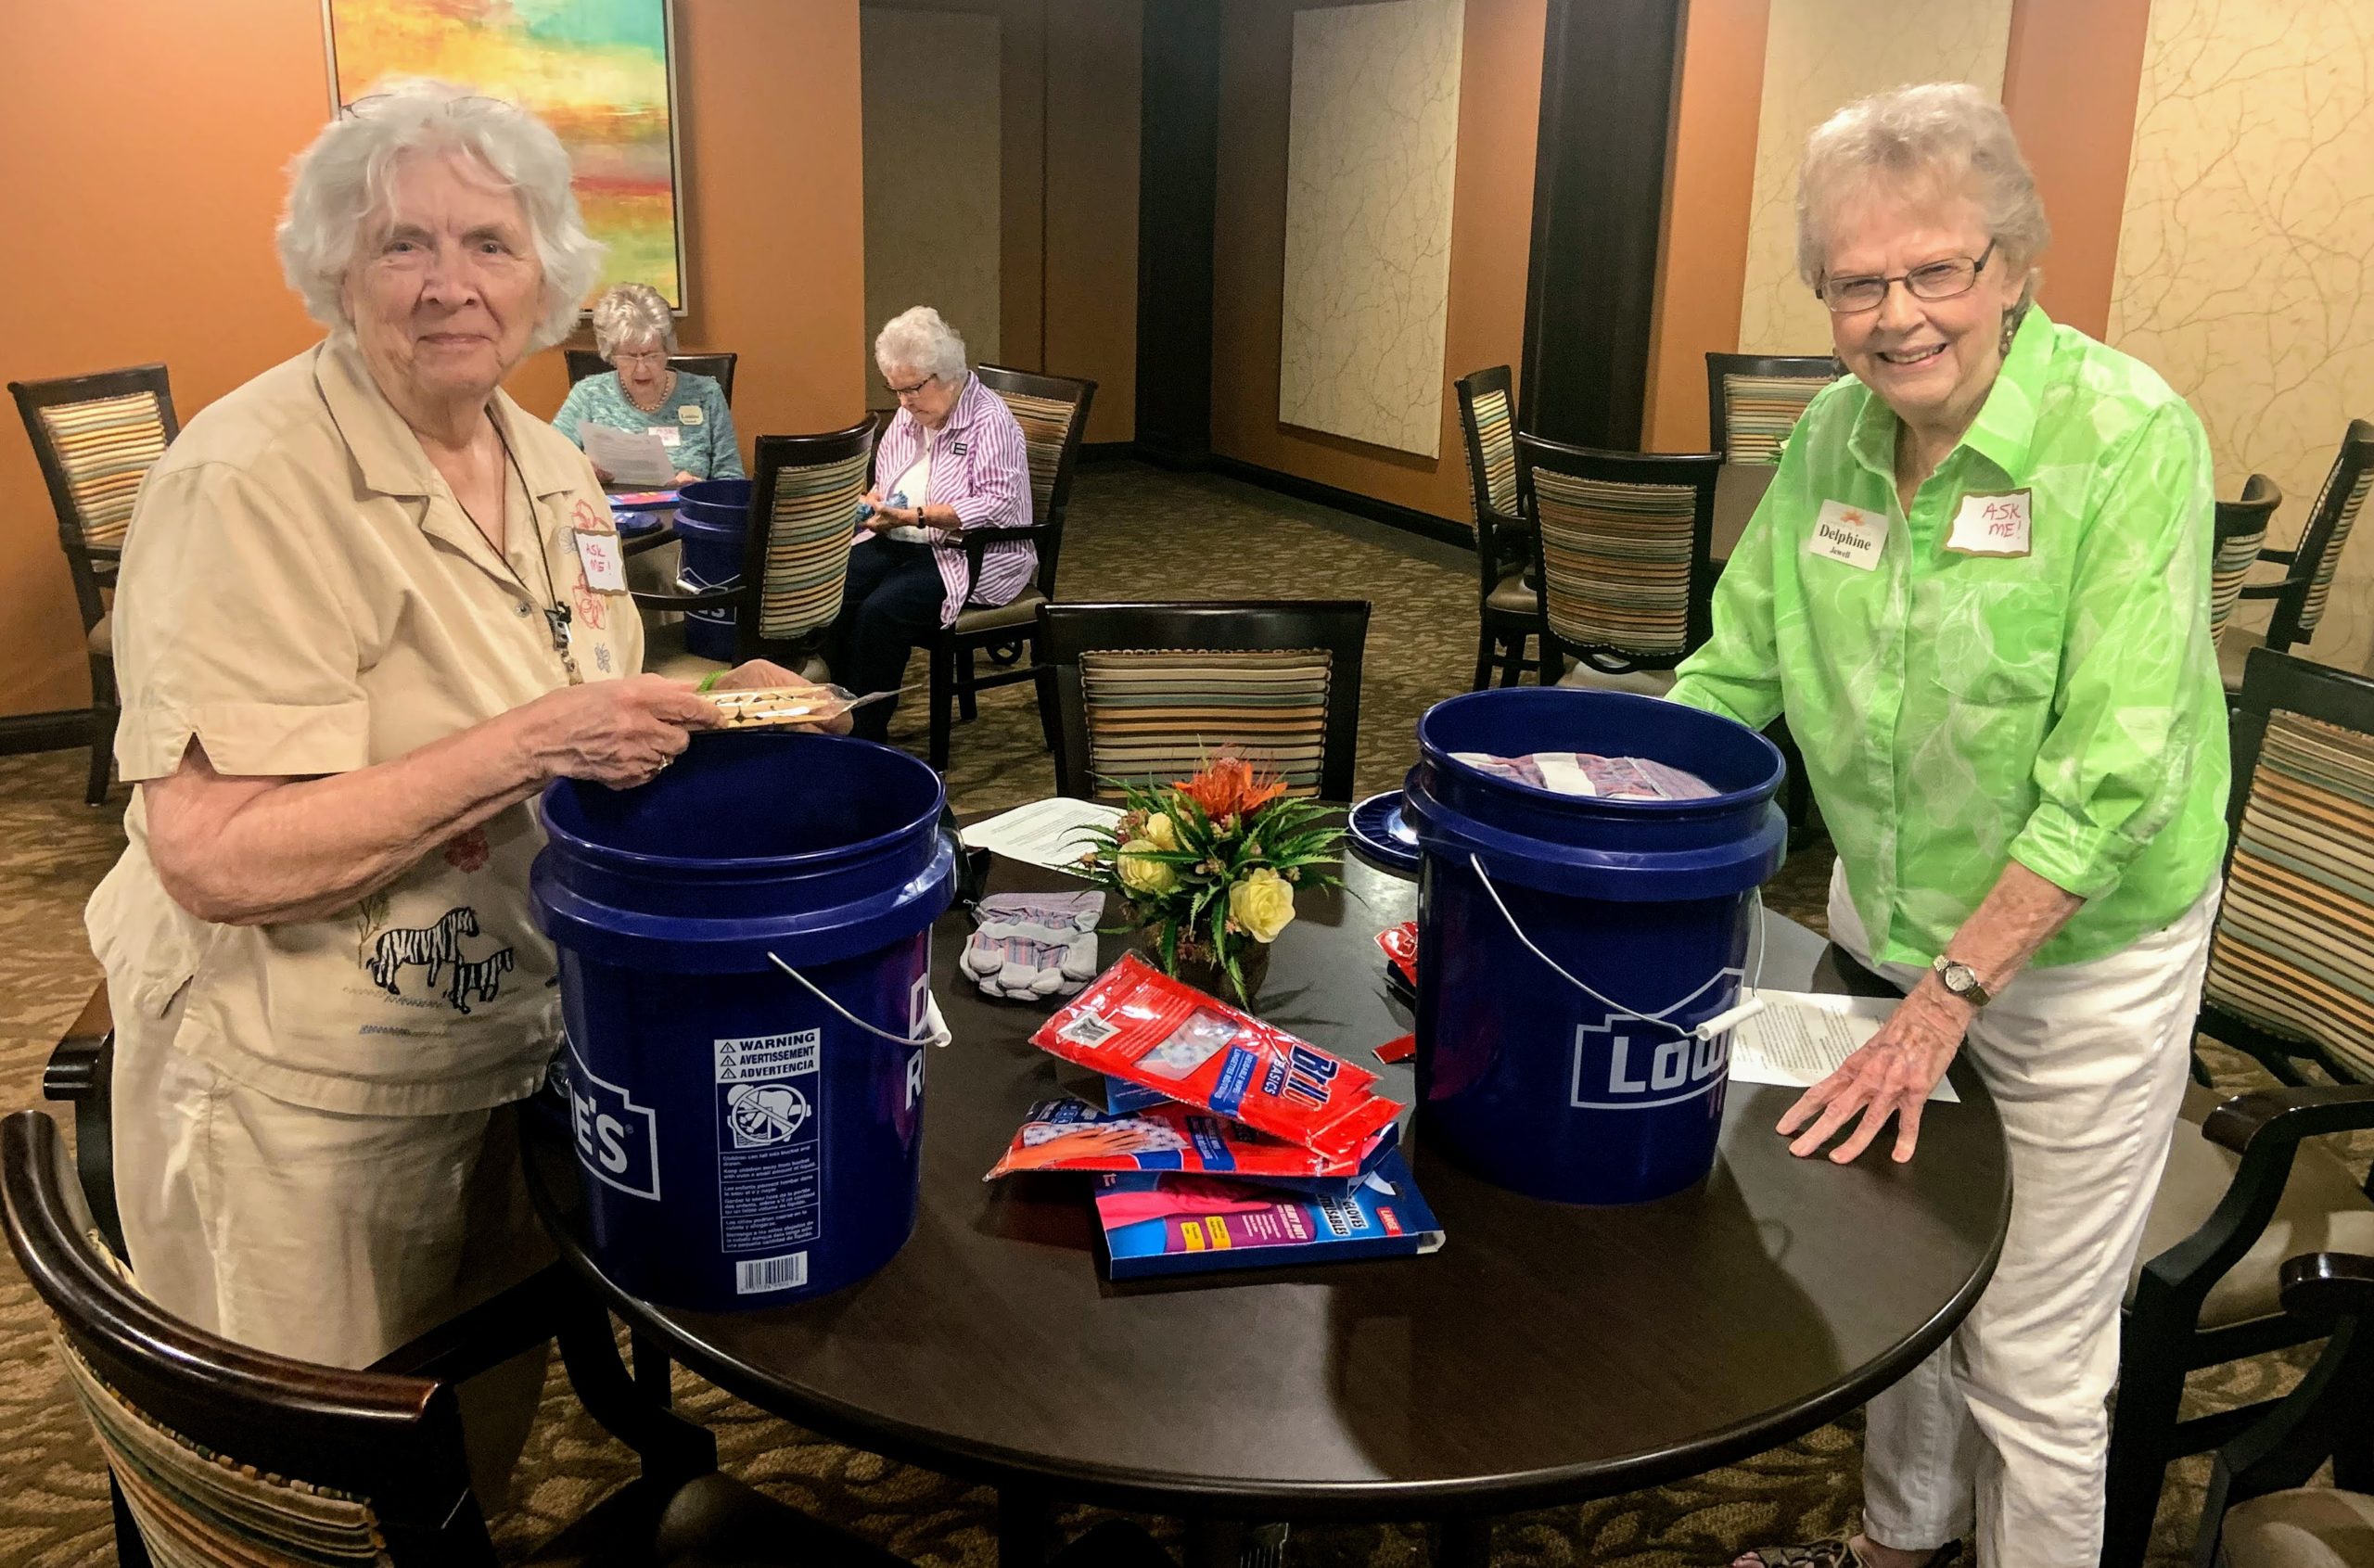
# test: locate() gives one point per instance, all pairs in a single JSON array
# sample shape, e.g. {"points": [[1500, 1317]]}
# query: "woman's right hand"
{"points": [[617, 732]]}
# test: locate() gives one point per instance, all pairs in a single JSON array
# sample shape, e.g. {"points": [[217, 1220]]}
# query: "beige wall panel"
{"points": [[1819, 56], [2246, 259], [1372, 141], [932, 173]]}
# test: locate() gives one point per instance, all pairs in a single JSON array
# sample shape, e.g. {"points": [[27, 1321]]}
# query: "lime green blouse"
{"points": [[1958, 705]]}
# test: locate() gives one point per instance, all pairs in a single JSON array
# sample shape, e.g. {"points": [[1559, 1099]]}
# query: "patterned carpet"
{"points": [[1135, 533]]}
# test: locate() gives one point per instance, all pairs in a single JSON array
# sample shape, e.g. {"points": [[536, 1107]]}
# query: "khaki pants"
{"points": [[325, 1237]]}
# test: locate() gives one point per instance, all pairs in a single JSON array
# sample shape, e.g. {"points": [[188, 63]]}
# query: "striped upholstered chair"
{"points": [[1622, 547], [2290, 981], [807, 489], [218, 1454], [1053, 411], [1149, 692], [96, 438], [1754, 400], [1508, 611], [2307, 579], [2241, 538]]}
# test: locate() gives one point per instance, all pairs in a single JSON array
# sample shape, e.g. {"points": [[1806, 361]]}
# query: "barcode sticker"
{"points": [[1090, 1030], [758, 1275]]}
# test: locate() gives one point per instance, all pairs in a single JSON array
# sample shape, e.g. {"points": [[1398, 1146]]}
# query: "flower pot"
{"points": [[1197, 967]]}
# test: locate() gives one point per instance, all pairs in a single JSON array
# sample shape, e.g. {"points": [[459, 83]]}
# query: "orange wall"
{"points": [[2071, 76], [1500, 109], [2070, 83], [156, 190], [1710, 181]]}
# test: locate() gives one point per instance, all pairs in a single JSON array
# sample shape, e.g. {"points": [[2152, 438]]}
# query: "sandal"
{"points": [[1838, 1554]]}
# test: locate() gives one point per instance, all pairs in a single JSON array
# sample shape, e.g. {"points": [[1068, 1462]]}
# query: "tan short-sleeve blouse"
{"points": [[301, 592]]}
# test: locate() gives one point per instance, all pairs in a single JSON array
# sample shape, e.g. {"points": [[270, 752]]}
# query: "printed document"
{"points": [[1801, 1037], [630, 457], [1045, 832]]}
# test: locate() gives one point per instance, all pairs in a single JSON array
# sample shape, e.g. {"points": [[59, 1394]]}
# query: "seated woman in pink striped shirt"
{"points": [[952, 459]]}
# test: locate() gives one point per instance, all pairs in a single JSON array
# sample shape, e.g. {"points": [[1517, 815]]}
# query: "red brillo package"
{"points": [[1136, 1022], [1400, 944]]}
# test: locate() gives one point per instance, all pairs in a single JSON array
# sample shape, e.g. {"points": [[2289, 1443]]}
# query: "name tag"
{"points": [[1852, 534], [599, 558], [668, 435], [690, 413], [1991, 524], [956, 449]]}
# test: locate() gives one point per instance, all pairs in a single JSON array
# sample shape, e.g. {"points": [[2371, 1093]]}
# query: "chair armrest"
{"points": [[975, 541], [78, 1066], [487, 1334], [2249, 1122], [2328, 1284], [104, 555]]}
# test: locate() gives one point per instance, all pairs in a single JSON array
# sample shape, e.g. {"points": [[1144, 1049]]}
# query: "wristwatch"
{"points": [[1962, 980]]}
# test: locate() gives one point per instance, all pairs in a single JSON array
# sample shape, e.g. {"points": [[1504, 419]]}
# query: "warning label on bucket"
{"points": [[770, 1139]]}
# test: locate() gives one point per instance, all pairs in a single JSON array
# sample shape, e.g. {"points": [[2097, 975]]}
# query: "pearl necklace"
{"points": [[658, 402]]}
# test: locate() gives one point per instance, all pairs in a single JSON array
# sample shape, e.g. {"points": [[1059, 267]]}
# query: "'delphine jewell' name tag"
{"points": [[1991, 524], [1852, 534]]}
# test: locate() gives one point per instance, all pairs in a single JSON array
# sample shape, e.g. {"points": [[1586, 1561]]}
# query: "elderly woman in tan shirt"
{"points": [[366, 614]]}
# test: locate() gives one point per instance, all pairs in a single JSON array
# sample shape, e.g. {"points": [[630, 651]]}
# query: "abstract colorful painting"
{"points": [[597, 72]]}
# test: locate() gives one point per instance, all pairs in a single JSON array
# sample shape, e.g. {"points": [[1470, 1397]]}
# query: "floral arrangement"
{"points": [[1208, 867]]}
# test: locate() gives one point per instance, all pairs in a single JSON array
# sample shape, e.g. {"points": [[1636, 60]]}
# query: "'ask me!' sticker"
{"points": [[1991, 524]]}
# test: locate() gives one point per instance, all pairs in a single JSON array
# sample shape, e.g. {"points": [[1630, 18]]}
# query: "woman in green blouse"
{"points": [[633, 330], [1978, 589]]}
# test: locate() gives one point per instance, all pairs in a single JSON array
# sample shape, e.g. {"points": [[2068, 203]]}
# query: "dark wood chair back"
{"points": [[1755, 401], [718, 368], [1623, 543], [1488, 427], [218, 1447], [1053, 411], [2242, 535], [1151, 692], [804, 492], [2300, 603]]}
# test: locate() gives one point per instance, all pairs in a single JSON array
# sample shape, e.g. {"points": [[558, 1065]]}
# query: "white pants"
{"points": [[326, 1237], [2005, 1428]]}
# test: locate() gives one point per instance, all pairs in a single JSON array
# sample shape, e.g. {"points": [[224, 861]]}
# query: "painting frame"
{"points": [[680, 306]]}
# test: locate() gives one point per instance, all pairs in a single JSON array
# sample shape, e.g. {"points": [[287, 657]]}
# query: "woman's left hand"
{"points": [[765, 675], [1891, 1076]]}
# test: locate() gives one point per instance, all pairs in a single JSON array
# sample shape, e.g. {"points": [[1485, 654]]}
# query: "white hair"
{"points": [[1948, 136], [629, 313], [920, 340], [339, 183]]}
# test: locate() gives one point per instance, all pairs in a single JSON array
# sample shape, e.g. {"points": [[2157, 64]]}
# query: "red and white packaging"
{"points": [[1136, 1023]]}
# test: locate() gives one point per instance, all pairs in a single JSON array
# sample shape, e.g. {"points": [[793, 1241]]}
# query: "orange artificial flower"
{"points": [[1229, 787]]}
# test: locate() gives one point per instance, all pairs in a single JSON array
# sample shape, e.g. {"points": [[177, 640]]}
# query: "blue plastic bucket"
{"points": [[713, 520], [742, 1140], [1524, 1075]]}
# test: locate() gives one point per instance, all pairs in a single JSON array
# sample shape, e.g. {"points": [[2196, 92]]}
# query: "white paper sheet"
{"points": [[1045, 832], [1801, 1037], [630, 457]]}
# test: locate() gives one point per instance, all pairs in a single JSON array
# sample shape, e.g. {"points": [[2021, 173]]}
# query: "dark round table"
{"points": [[1546, 1353]]}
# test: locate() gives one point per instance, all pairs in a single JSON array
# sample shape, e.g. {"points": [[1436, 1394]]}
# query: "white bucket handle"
{"points": [[1706, 1030], [937, 1032]]}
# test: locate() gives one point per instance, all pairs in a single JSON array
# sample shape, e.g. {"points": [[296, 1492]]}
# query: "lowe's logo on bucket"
{"points": [[618, 1141], [1631, 1064]]}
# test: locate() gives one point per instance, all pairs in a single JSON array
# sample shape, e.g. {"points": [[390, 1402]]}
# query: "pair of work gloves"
{"points": [[1029, 946]]}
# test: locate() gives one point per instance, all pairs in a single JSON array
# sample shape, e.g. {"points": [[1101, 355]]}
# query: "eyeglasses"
{"points": [[916, 391], [1937, 280], [373, 103], [649, 356]]}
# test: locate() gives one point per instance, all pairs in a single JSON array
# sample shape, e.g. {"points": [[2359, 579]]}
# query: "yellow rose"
{"points": [[1161, 833], [1263, 903], [1140, 872]]}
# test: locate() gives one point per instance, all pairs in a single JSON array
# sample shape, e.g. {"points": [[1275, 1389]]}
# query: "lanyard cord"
{"points": [[557, 615]]}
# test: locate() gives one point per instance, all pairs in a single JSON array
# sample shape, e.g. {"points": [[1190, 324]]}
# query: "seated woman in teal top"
{"points": [[633, 330]]}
